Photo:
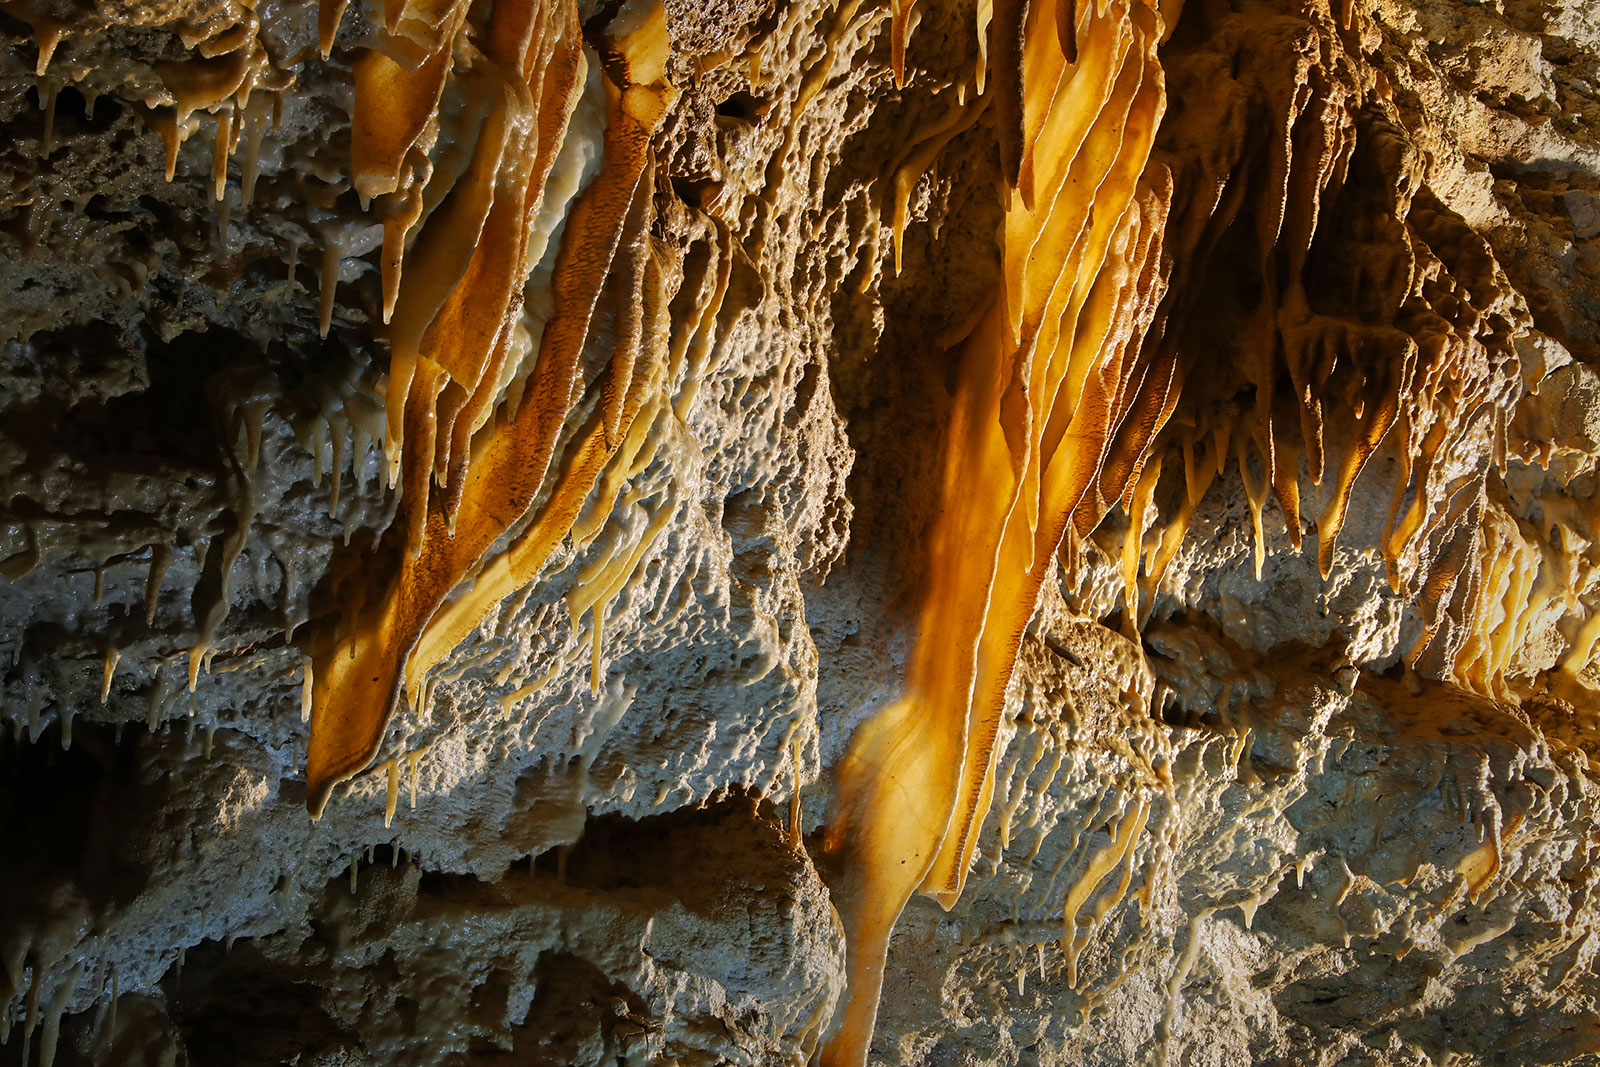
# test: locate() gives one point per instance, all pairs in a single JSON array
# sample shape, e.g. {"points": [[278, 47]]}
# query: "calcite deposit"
{"points": [[929, 532]]}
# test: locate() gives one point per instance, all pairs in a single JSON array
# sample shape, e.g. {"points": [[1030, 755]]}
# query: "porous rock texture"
{"points": [[1290, 759]]}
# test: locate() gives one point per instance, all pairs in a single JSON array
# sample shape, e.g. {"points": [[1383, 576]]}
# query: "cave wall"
{"points": [[757, 532]]}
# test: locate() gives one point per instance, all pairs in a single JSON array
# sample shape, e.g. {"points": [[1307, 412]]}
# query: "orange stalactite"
{"points": [[394, 106], [1053, 411], [899, 37], [455, 309]]}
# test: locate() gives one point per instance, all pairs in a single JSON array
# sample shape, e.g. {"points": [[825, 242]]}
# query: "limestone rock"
{"points": [[894, 532]]}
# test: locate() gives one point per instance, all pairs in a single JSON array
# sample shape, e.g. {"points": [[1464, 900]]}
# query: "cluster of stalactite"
{"points": [[1327, 308], [1269, 281], [471, 147], [475, 406]]}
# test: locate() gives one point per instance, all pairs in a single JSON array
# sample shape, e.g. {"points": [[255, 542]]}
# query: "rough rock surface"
{"points": [[1275, 798]]}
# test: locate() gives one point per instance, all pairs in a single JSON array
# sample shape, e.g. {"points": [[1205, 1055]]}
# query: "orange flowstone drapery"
{"points": [[455, 312], [1055, 405]]}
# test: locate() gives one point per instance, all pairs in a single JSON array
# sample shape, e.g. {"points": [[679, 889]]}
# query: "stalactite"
{"points": [[1053, 411], [474, 417]]}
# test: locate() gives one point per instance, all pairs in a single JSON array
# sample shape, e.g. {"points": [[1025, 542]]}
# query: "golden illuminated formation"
{"points": [[1054, 409], [461, 387]]}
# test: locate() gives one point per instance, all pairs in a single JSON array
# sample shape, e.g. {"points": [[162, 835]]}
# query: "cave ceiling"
{"points": [[799, 531]]}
